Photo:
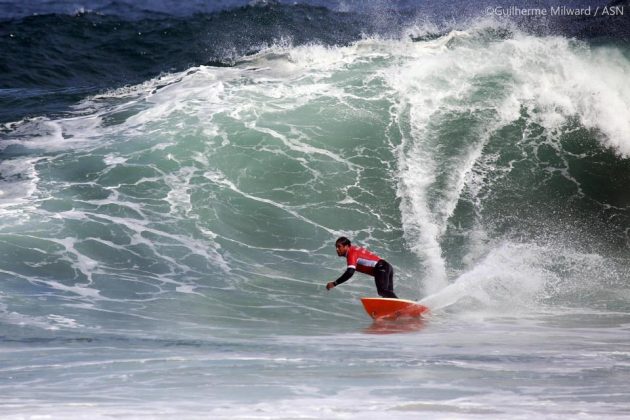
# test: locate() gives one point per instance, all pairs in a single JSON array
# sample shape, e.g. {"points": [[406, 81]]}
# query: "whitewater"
{"points": [[165, 245]]}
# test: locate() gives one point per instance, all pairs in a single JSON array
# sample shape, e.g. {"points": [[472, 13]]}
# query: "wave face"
{"points": [[195, 212]]}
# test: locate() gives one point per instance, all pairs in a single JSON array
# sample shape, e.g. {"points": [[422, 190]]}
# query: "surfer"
{"points": [[364, 261]]}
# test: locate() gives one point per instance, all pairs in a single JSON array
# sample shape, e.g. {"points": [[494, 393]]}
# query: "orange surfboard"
{"points": [[388, 308]]}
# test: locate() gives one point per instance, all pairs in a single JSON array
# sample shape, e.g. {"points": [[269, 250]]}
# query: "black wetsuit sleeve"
{"points": [[345, 276]]}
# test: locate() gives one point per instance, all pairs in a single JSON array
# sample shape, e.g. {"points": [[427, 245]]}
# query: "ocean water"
{"points": [[172, 180]]}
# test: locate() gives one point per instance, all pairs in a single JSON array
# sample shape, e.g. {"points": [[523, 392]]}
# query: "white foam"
{"points": [[430, 84], [179, 194], [19, 184], [508, 277], [558, 79], [54, 135], [49, 322], [64, 321], [112, 159], [512, 278], [283, 60]]}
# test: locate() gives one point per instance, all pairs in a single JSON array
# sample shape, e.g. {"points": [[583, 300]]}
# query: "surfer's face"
{"points": [[341, 249]]}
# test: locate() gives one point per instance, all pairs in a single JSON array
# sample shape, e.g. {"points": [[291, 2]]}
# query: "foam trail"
{"points": [[513, 278], [509, 277], [430, 180]]}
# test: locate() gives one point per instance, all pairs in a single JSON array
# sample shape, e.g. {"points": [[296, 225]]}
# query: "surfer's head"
{"points": [[342, 245]]}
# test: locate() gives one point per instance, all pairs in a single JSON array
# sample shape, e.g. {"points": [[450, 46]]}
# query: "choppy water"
{"points": [[168, 218]]}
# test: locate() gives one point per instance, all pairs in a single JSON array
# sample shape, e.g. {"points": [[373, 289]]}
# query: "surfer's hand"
{"points": [[330, 285]]}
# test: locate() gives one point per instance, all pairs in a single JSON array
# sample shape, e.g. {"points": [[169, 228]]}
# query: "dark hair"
{"points": [[343, 241]]}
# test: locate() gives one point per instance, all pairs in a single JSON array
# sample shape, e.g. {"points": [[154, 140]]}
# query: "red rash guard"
{"points": [[362, 260], [359, 259]]}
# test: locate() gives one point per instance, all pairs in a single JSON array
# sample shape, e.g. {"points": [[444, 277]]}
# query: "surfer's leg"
{"points": [[383, 277], [380, 278], [390, 283]]}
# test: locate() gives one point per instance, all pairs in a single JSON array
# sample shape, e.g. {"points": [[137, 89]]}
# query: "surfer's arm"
{"points": [[345, 276]]}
